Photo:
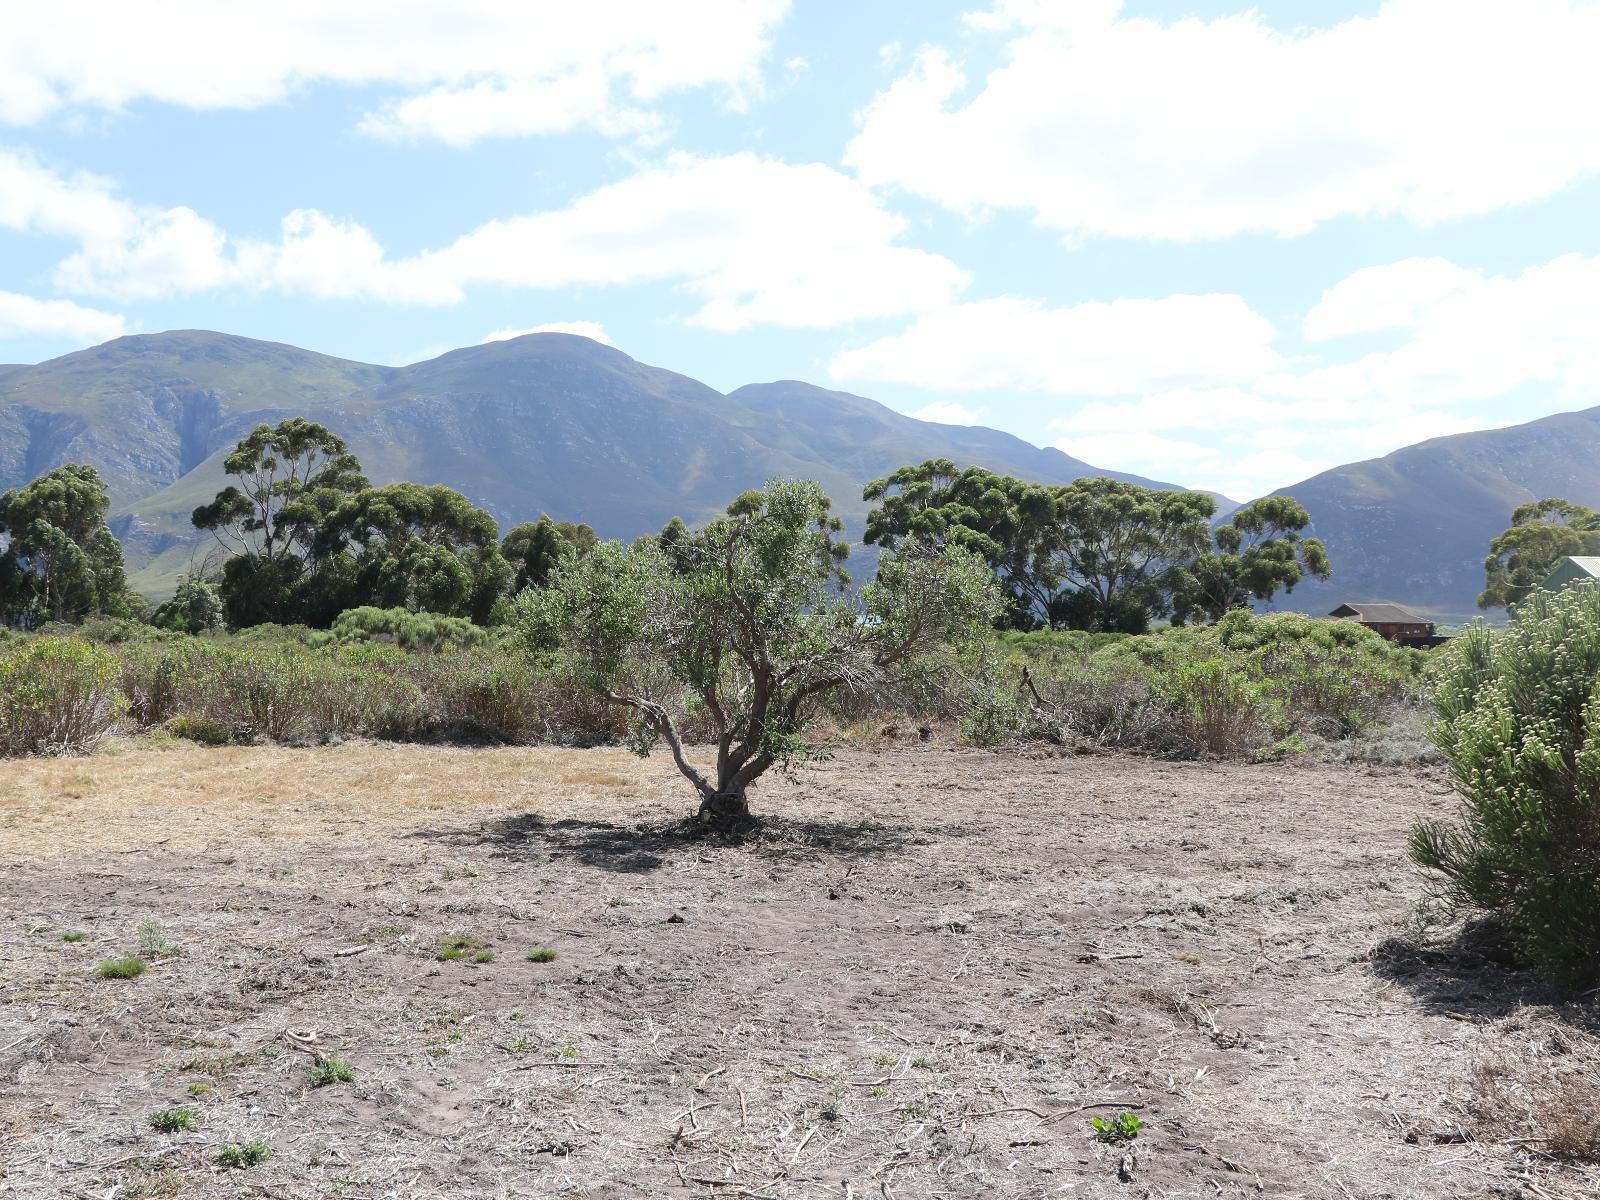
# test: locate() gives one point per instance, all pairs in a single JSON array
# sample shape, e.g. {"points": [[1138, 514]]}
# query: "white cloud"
{"points": [[467, 68], [759, 242], [1101, 124], [592, 330], [948, 412], [1479, 338], [754, 241], [25, 316], [1094, 348], [35, 199], [1191, 389], [1375, 299]]}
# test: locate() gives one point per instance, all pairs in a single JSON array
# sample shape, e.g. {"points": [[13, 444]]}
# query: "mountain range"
{"points": [[1414, 526], [545, 422], [561, 424]]}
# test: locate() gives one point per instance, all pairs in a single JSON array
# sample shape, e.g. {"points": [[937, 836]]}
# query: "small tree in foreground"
{"points": [[745, 623], [1519, 723]]}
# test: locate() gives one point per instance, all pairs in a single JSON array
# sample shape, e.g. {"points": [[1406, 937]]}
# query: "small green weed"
{"points": [[456, 946], [174, 1120], [251, 1154], [915, 1111], [152, 942], [542, 955], [617, 902], [483, 956], [122, 968], [74, 935], [332, 1070], [200, 1089], [1123, 1127], [521, 1045]]}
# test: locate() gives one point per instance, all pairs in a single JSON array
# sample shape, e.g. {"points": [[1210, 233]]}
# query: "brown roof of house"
{"points": [[1378, 613]]}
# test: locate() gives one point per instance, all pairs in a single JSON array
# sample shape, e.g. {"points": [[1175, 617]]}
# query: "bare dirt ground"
{"points": [[924, 978]]}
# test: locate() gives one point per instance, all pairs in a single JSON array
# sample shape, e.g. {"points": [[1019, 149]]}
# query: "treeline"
{"points": [[307, 537], [1100, 554]]}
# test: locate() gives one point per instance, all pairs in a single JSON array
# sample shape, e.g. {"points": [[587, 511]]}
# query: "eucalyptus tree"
{"points": [[61, 562], [1007, 522], [1117, 549], [422, 547], [271, 522], [1542, 533], [535, 548], [1259, 552], [747, 621]]}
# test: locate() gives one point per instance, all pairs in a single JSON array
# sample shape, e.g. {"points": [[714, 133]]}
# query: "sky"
{"points": [[1221, 246]]}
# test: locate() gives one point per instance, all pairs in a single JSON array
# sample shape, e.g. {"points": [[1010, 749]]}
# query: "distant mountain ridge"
{"points": [[1414, 526], [542, 423]]}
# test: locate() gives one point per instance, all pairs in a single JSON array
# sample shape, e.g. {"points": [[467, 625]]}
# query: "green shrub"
{"points": [[487, 695], [410, 630], [58, 696], [1330, 678], [180, 675], [206, 730], [130, 967], [1218, 708], [1519, 725], [196, 607]]}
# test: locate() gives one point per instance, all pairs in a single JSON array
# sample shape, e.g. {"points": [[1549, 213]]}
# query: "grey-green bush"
{"points": [[57, 696], [1519, 725]]}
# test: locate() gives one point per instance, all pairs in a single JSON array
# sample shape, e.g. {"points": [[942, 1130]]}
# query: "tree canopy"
{"points": [[61, 561], [291, 478], [421, 547], [1258, 552], [750, 621], [1121, 547], [1095, 554], [1004, 520], [535, 548], [1542, 533]]}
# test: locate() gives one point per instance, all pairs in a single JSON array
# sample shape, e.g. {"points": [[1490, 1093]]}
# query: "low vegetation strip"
{"points": [[929, 972]]}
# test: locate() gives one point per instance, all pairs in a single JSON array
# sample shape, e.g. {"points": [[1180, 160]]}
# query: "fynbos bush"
{"points": [[1519, 724], [57, 696]]}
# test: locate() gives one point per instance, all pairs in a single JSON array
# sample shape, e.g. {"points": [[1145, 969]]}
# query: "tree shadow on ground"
{"points": [[1472, 973], [648, 845]]}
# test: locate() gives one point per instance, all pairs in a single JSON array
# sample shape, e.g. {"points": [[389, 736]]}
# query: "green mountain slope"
{"points": [[542, 423], [1414, 526]]}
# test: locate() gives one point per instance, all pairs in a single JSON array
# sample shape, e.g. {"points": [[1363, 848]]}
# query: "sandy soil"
{"points": [[924, 978]]}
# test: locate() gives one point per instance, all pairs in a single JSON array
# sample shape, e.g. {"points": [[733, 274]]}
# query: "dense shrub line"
{"points": [[1248, 686], [61, 694]]}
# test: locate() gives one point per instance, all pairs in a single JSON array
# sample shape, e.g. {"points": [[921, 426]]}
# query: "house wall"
{"points": [[1394, 630]]}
